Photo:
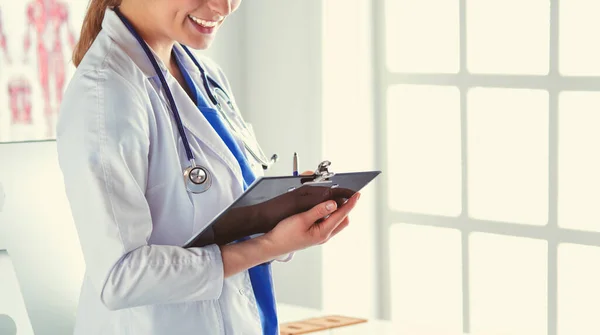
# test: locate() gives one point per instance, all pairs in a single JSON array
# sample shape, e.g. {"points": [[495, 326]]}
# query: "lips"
{"points": [[204, 23]]}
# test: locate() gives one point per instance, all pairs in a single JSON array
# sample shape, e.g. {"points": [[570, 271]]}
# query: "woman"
{"points": [[139, 111]]}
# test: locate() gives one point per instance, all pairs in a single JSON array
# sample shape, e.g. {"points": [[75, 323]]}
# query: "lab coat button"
{"points": [[242, 292]]}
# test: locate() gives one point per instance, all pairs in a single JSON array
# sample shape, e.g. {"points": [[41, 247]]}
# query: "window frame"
{"points": [[554, 83]]}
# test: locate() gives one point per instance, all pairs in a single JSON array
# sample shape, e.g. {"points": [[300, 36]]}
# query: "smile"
{"points": [[204, 23]]}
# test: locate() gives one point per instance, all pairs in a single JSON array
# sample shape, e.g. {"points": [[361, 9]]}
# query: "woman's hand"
{"points": [[240, 222], [294, 233], [302, 230]]}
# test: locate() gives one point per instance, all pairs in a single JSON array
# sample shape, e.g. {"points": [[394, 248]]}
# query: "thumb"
{"points": [[319, 211]]}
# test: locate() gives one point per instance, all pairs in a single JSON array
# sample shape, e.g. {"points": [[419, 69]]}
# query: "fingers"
{"points": [[341, 193], [318, 212], [338, 217], [307, 173]]}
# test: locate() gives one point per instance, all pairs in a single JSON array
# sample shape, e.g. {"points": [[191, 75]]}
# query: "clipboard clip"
{"points": [[322, 173]]}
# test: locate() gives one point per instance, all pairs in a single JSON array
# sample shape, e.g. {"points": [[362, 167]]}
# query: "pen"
{"points": [[295, 172]]}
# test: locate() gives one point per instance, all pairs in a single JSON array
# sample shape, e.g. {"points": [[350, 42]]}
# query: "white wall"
{"points": [[227, 50], [283, 92]]}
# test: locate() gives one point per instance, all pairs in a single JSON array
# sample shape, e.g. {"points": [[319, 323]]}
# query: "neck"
{"points": [[160, 44]]}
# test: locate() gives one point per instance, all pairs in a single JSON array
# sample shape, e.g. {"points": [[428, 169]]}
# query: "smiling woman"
{"points": [[141, 110], [191, 22]]}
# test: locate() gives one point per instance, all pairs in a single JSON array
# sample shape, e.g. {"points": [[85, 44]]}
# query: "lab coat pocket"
{"points": [[238, 298], [172, 212]]}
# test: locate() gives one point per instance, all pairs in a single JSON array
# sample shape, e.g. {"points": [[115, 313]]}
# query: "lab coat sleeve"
{"points": [[103, 147]]}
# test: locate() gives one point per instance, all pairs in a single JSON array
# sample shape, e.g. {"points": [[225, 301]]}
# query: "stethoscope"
{"points": [[198, 179]]}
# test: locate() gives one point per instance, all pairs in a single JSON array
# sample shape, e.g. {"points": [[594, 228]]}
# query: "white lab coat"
{"points": [[122, 160]]}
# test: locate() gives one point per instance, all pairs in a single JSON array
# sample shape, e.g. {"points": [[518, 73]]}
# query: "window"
{"points": [[488, 114]]}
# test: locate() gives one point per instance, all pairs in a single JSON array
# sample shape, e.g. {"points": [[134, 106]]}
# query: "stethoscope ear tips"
{"points": [[273, 160]]}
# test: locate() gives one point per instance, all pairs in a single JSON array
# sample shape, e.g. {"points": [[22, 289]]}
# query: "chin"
{"points": [[198, 45]]}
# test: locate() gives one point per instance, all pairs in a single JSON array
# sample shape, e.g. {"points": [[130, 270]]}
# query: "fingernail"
{"points": [[357, 196], [330, 206]]}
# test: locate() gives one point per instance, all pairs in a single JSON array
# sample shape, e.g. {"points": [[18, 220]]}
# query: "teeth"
{"points": [[204, 23]]}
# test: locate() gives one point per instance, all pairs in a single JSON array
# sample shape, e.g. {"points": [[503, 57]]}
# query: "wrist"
{"points": [[270, 247]]}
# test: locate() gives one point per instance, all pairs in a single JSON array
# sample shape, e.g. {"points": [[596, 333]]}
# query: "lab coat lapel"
{"points": [[194, 73], [192, 118], [195, 123]]}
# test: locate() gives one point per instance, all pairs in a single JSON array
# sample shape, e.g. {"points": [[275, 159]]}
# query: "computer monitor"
{"points": [[41, 263]]}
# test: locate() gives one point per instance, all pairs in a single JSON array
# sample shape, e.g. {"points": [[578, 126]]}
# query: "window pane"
{"points": [[579, 161], [426, 274], [424, 149], [578, 36], [422, 35], [508, 155], [508, 36], [578, 290], [508, 285]]}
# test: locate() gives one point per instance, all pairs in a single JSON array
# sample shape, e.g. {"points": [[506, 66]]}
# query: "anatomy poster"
{"points": [[36, 42]]}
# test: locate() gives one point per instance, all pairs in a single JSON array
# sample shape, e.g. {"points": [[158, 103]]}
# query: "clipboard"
{"points": [[271, 199]]}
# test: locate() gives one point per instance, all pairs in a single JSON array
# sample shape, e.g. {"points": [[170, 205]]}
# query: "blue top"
{"points": [[260, 276]]}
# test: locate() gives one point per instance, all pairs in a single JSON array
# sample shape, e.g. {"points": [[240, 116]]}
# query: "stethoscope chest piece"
{"points": [[197, 179]]}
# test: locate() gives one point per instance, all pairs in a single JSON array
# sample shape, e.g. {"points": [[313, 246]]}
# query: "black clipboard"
{"points": [[271, 199]]}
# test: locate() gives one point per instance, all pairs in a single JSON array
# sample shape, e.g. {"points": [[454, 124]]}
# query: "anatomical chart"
{"points": [[36, 43]]}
